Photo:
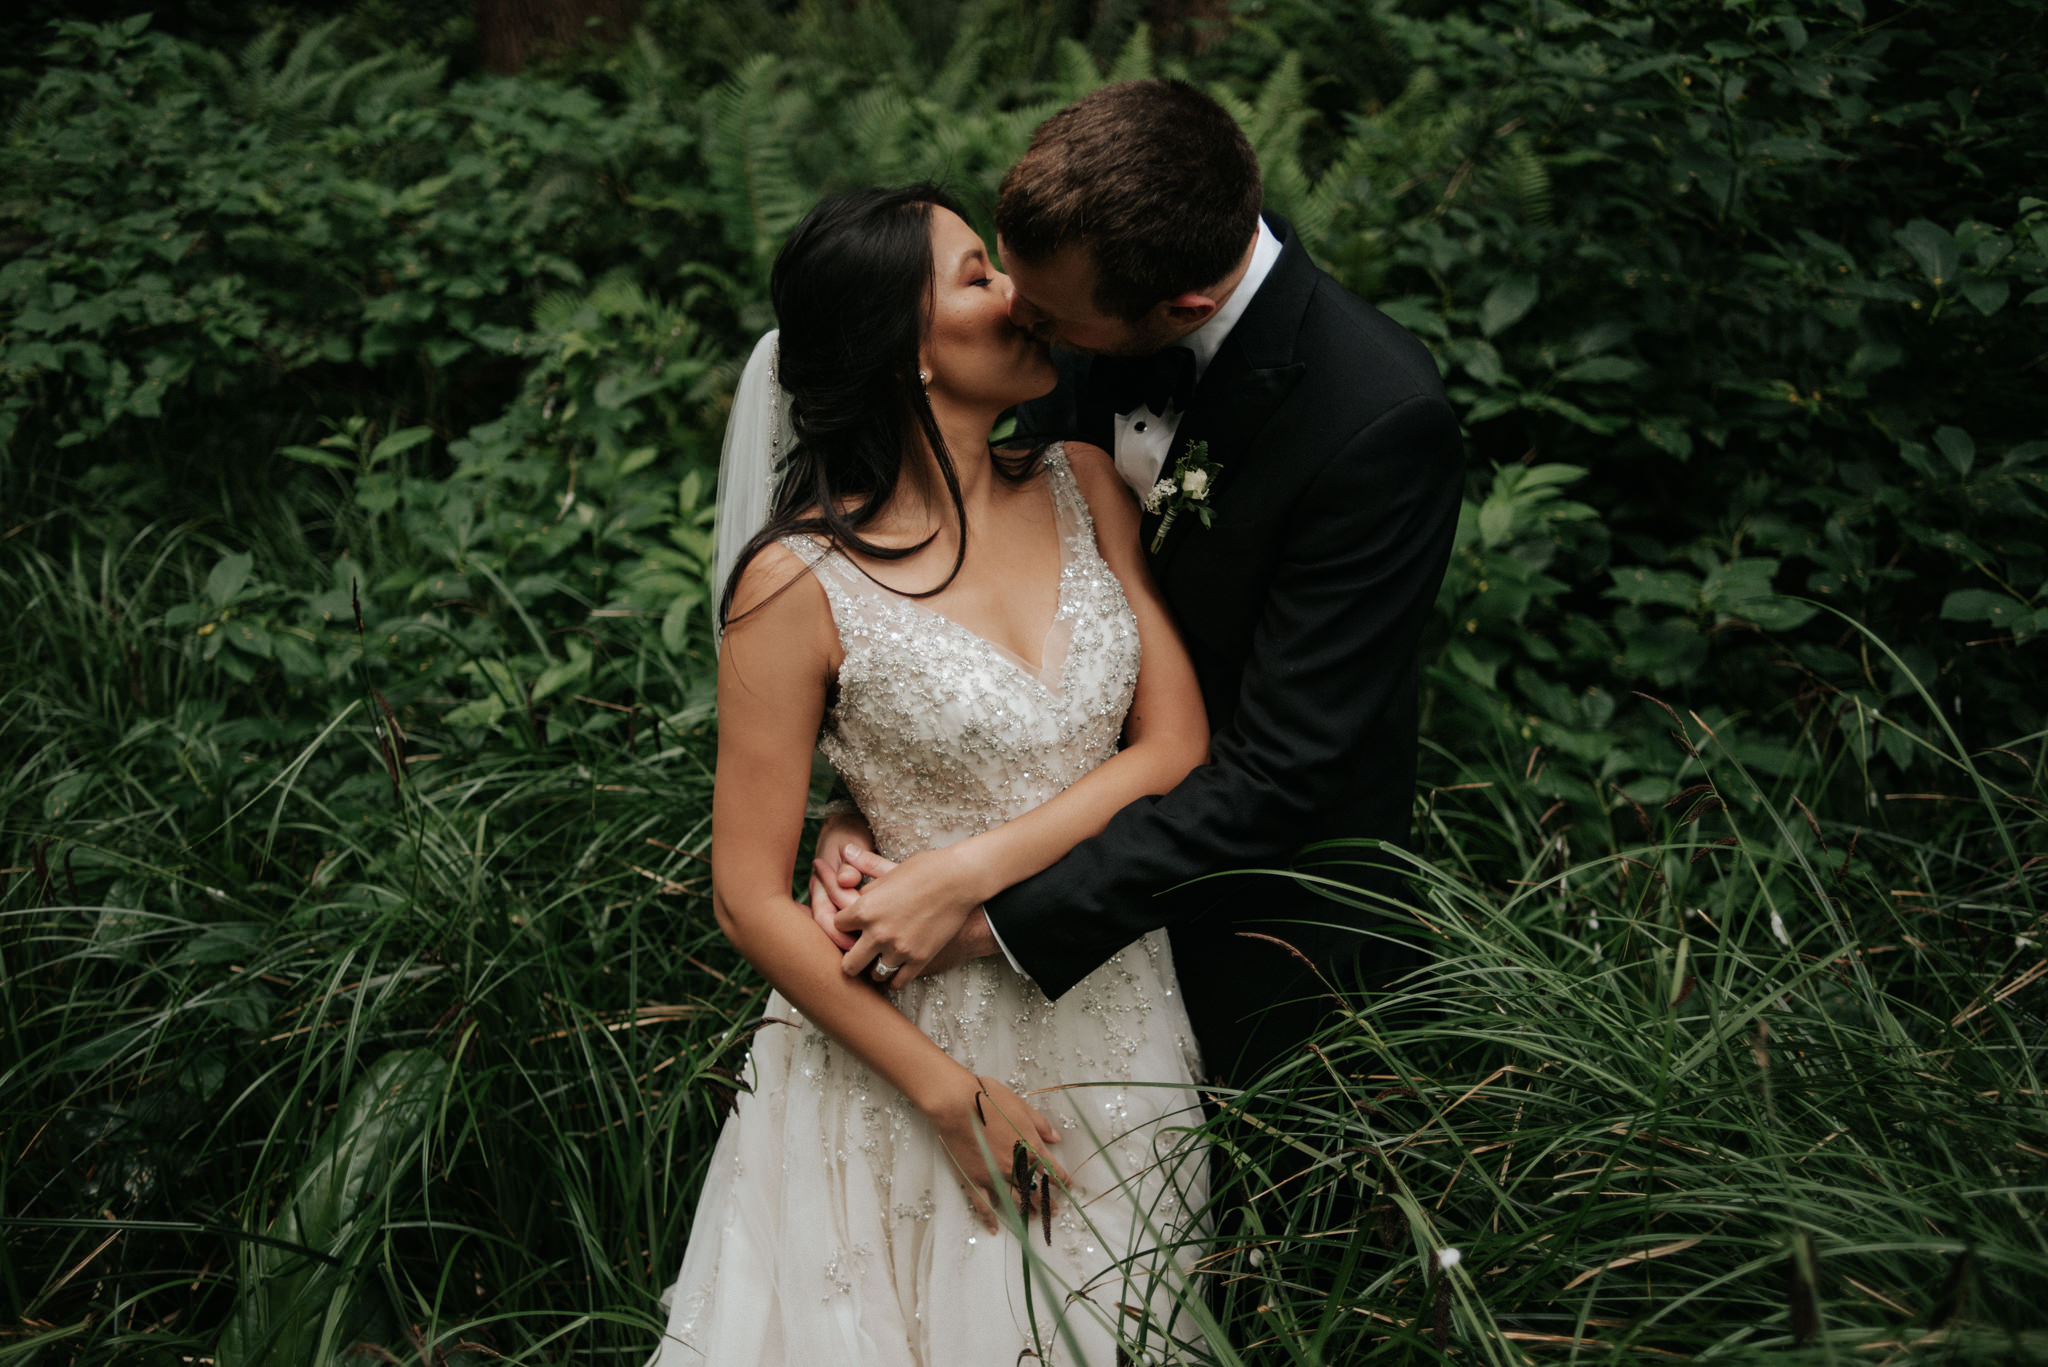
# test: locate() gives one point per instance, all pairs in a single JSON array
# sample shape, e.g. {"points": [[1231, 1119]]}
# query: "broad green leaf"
{"points": [[1739, 583], [480, 712], [313, 455], [1988, 296], [248, 637], [1985, 605], [675, 623], [1791, 147], [404, 439], [1482, 363], [1957, 445], [1466, 659], [228, 577], [1418, 313], [564, 674], [1667, 434], [1872, 358], [1605, 424], [1496, 520], [62, 799], [332, 1213], [1932, 248], [299, 659], [1672, 588], [1667, 651], [1524, 479], [1604, 370], [1506, 303], [1776, 613]]}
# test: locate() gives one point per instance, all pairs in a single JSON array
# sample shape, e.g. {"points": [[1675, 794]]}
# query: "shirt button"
{"points": [[1138, 426]]}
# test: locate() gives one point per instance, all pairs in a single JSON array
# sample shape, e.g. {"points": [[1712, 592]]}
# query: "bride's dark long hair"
{"points": [[853, 292]]}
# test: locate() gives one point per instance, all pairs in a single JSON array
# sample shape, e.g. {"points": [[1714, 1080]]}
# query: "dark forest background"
{"points": [[362, 369]]}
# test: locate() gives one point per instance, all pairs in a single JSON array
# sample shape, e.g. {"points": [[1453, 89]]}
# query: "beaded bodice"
{"points": [[939, 733]]}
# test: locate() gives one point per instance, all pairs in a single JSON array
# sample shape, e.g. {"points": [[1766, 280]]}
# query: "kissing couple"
{"points": [[1170, 632]]}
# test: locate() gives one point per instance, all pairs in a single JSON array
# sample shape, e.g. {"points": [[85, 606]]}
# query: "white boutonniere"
{"points": [[1186, 486]]}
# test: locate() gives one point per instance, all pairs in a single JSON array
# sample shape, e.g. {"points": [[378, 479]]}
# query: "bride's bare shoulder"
{"points": [[777, 587]]}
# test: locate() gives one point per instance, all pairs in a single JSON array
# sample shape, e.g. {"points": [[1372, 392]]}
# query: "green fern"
{"points": [[1074, 70], [1135, 62], [750, 124], [1274, 121], [1519, 174], [308, 89]]}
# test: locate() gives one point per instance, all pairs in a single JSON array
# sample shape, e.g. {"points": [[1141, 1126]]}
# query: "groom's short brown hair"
{"points": [[1153, 177]]}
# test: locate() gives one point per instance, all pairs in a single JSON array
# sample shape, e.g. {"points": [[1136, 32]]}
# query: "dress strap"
{"points": [[1070, 505], [856, 601]]}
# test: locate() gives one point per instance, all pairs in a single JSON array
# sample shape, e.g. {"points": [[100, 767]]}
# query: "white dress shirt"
{"points": [[1144, 438]]}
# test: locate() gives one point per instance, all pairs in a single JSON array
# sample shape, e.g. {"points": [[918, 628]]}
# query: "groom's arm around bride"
{"points": [[1302, 599]]}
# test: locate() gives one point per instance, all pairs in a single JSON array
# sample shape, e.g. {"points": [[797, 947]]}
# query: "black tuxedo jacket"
{"points": [[1302, 605]]}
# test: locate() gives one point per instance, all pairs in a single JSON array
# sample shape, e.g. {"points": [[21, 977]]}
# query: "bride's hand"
{"points": [[906, 919], [981, 1123], [835, 881]]}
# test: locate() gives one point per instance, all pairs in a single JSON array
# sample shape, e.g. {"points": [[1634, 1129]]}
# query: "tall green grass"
{"points": [[320, 1035], [1756, 1083]]}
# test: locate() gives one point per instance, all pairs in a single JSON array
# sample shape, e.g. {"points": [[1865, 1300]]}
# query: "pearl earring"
{"points": [[924, 377]]}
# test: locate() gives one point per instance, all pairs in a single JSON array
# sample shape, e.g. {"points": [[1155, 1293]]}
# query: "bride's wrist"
{"points": [[942, 1091], [972, 876]]}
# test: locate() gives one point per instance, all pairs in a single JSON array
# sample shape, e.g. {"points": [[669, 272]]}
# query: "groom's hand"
{"points": [[915, 917], [974, 940]]}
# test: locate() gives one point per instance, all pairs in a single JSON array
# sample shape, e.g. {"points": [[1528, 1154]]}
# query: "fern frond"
{"points": [[1112, 19], [297, 71], [957, 79], [881, 128], [1524, 177], [747, 147], [618, 294], [1074, 70], [1134, 63], [556, 311], [1281, 108]]}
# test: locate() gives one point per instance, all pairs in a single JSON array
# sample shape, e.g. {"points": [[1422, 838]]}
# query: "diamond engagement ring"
{"points": [[881, 972]]}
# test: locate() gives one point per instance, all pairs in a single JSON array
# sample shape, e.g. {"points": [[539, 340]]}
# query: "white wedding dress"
{"points": [[833, 1229]]}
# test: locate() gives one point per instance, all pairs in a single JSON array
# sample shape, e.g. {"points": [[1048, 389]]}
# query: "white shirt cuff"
{"points": [[1000, 945]]}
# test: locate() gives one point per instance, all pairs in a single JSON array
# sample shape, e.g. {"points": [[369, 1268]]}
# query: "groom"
{"points": [[1133, 235]]}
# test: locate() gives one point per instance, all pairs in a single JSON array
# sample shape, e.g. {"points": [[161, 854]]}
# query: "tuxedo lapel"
{"points": [[1228, 411], [1255, 370]]}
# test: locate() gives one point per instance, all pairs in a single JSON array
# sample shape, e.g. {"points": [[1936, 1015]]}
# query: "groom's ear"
{"points": [[1186, 311]]}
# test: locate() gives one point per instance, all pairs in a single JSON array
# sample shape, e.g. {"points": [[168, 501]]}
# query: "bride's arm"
{"points": [[908, 917], [779, 654]]}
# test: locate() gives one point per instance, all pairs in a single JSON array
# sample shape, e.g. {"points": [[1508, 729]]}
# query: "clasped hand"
{"points": [[917, 917]]}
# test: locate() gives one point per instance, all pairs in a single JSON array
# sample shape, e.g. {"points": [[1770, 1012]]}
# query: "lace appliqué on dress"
{"points": [[845, 1235]]}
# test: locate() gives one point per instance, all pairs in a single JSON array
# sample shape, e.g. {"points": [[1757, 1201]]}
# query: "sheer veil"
{"points": [[756, 435]]}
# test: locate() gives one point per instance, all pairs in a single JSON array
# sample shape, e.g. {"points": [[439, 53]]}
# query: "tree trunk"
{"points": [[511, 33], [1171, 22]]}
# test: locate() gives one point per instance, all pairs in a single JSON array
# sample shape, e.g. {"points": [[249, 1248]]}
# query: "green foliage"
{"points": [[276, 229], [1763, 276], [1706, 1095], [356, 431], [295, 1303]]}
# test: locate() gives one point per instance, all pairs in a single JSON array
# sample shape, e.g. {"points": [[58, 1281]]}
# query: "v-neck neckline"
{"points": [[1047, 671]]}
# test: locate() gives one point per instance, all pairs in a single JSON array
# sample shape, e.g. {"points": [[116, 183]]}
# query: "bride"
{"points": [[960, 631]]}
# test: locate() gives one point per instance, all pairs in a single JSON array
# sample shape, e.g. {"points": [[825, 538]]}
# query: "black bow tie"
{"points": [[1159, 381]]}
